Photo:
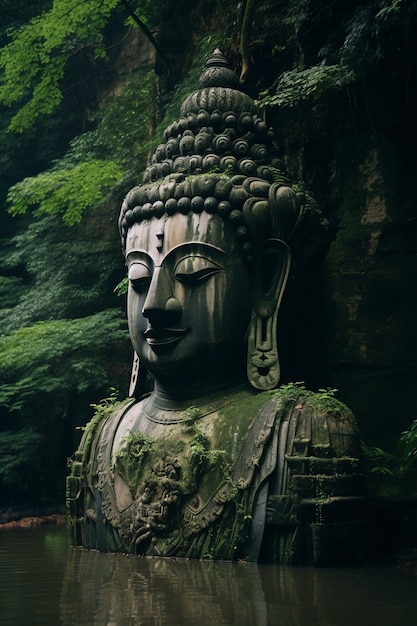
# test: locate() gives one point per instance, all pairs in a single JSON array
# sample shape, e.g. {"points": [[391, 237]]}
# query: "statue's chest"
{"points": [[159, 492], [172, 489]]}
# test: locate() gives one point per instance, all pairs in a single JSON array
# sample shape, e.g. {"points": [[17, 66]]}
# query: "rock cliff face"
{"points": [[369, 285], [349, 319]]}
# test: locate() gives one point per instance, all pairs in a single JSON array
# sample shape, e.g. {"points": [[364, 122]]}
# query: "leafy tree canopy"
{"points": [[18, 450], [308, 84], [44, 368], [58, 357], [68, 191], [97, 162], [34, 61], [51, 271]]}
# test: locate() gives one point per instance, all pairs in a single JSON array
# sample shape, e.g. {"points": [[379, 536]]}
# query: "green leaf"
{"points": [[34, 61], [57, 357], [18, 451], [296, 86], [65, 191]]}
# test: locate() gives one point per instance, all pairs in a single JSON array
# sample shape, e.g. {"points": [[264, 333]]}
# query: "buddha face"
{"points": [[188, 299]]}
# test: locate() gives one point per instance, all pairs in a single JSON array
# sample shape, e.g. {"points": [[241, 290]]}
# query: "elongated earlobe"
{"points": [[270, 272], [137, 378]]}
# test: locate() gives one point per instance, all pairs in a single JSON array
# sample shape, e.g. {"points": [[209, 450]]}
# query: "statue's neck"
{"points": [[180, 394]]}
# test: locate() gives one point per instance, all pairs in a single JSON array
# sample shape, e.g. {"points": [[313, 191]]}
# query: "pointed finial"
{"points": [[217, 72], [217, 59]]}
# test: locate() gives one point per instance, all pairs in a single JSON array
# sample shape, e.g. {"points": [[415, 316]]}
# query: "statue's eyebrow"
{"points": [[198, 246], [138, 255], [186, 248]]}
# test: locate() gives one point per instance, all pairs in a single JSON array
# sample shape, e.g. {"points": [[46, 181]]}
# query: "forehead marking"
{"points": [[160, 237]]}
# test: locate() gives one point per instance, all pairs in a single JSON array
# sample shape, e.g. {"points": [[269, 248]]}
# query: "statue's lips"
{"points": [[159, 337]]}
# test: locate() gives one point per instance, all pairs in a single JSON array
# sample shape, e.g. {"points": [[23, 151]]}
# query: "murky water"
{"points": [[45, 582]]}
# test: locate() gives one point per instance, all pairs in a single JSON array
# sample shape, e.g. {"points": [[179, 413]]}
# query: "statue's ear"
{"points": [[137, 378], [271, 265]]}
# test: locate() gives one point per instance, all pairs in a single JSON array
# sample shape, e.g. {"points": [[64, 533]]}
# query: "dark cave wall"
{"points": [[357, 308], [368, 283]]}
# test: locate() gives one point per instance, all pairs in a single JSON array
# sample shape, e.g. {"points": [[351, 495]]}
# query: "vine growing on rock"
{"points": [[310, 84]]}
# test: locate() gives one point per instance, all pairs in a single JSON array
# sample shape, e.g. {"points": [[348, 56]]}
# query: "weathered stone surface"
{"points": [[202, 465]]}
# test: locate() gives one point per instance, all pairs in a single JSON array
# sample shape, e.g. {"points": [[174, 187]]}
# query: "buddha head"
{"points": [[207, 241]]}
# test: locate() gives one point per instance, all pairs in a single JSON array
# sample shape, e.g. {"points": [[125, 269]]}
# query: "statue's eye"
{"points": [[139, 276], [195, 269]]}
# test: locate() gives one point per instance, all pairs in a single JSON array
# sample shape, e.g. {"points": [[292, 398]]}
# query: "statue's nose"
{"points": [[161, 305]]}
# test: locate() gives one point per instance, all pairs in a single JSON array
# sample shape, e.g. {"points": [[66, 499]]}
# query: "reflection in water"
{"points": [[31, 575], [43, 581], [118, 589]]}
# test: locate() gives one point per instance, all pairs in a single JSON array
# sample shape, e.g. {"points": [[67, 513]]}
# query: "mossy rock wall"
{"points": [[352, 319], [368, 287]]}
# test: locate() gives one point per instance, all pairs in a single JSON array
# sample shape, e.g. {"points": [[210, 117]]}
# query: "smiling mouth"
{"points": [[164, 337]]}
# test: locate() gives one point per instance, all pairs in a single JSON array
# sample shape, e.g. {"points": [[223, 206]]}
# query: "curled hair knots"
{"points": [[255, 208], [241, 144]]}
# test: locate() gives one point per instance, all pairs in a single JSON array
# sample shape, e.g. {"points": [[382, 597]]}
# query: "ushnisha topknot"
{"points": [[219, 157]]}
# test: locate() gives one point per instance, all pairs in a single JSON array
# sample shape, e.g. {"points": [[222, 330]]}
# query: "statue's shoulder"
{"points": [[106, 418], [316, 501], [317, 420]]}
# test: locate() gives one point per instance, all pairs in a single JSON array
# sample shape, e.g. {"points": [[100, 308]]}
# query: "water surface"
{"points": [[44, 581]]}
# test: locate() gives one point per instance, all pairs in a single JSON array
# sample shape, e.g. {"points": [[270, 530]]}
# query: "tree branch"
{"points": [[147, 34], [249, 11]]}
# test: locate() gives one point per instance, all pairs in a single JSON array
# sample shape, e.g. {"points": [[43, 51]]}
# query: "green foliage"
{"points": [[326, 393], [130, 457], [56, 358], [371, 28], [392, 475], [9, 286], [392, 6], [401, 461], [39, 53], [377, 460], [66, 191], [61, 272], [123, 126], [138, 458], [122, 287], [292, 391], [34, 61], [172, 101], [97, 162], [354, 39], [310, 84], [18, 452], [199, 454], [102, 410], [324, 399], [135, 445], [407, 445]]}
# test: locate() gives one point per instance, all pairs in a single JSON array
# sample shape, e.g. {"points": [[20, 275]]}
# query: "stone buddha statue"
{"points": [[216, 461]]}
